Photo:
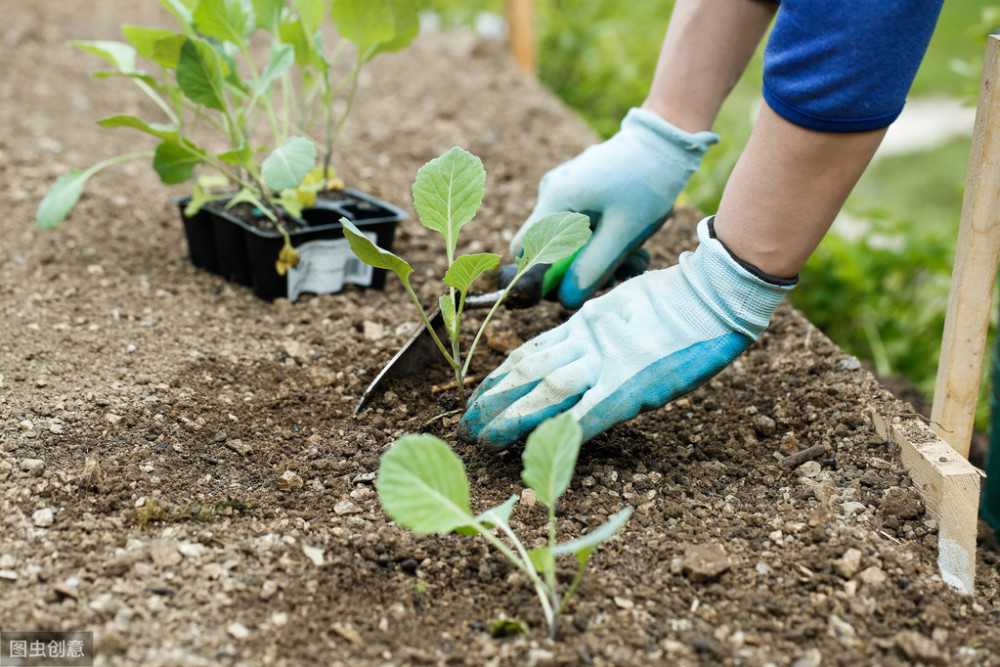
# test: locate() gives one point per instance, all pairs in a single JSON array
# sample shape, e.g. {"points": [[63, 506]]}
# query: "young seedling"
{"points": [[248, 121], [447, 194], [422, 485]]}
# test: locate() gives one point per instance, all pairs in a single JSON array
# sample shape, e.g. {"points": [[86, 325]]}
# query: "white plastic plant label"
{"points": [[324, 266]]}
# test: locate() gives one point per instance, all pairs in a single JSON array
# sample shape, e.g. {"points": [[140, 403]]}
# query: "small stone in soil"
{"points": [[268, 590], [289, 481], [373, 330], [165, 553], [238, 631], [848, 364], [764, 425], [848, 564], [346, 507], [240, 447], [43, 518], [918, 648], [32, 466], [872, 576], [313, 554], [347, 631], [704, 562]]}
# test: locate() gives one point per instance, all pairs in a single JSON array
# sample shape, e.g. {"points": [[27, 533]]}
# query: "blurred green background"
{"points": [[879, 294]]}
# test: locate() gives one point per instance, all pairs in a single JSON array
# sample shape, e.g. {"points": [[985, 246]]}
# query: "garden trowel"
{"points": [[420, 348], [537, 283]]}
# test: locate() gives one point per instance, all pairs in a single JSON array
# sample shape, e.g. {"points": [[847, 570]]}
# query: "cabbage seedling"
{"points": [[447, 194], [423, 487]]}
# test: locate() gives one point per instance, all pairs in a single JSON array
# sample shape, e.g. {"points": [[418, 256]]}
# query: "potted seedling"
{"points": [[255, 130], [423, 486], [447, 193]]}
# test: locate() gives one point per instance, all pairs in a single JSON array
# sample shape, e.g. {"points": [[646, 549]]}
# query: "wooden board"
{"points": [[949, 486], [969, 301]]}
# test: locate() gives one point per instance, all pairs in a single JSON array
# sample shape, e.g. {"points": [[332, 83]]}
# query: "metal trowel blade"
{"points": [[412, 358]]}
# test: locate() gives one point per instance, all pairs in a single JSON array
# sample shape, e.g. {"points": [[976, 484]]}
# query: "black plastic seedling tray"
{"points": [[239, 252]]}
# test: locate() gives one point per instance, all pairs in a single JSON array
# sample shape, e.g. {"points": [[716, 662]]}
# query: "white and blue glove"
{"points": [[646, 342], [628, 185]]}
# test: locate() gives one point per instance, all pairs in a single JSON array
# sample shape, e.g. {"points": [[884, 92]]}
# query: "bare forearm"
{"points": [[707, 47], [786, 189]]}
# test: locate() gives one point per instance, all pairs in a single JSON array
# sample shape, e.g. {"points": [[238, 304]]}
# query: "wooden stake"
{"points": [[976, 253], [521, 33], [949, 486]]}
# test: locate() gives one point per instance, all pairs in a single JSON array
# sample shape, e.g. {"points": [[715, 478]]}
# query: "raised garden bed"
{"points": [[196, 448]]}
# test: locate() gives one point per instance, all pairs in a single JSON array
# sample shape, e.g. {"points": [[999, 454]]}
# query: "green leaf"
{"points": [[245, 196], [366, 23], [282, 58], [310, 13], [550, 457], [406, 24], [289, 200], [372, 255], [268, 14], [167, 51], [144, 39], [137, 76], [119, 54], [200, 74], [241, 156], [175, 162], [542, 559], [181, 9], [61, 198], [584, 545], [199, 197], [288, 164], [465, 269], [422, 485], [291, 32], [227, 20], [499, 515], [228, 51], [159, 130], [554, 237], [448, 191], [447, 305], [491, 518]]}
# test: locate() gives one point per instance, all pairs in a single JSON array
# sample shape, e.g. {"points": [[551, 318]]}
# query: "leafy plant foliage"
{"points": [[211, 90], [423, 487], [447, 194]]}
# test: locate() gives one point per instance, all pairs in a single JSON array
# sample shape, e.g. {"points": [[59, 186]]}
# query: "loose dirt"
{"points": [[181, 474]]}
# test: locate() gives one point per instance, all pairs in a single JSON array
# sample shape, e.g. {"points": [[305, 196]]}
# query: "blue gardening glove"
{"points": [[648, 341], [628, 184]]}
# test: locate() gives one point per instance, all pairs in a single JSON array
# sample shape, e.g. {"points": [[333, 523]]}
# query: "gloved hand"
{"points": [[628, 184], [648, 341]]}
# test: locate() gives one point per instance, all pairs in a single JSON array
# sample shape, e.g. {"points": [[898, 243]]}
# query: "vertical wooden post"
{"points": [[969, 301], [521, 33]]}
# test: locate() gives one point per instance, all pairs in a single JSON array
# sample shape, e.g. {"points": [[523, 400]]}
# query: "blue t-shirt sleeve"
{"points": [[837, 66]]}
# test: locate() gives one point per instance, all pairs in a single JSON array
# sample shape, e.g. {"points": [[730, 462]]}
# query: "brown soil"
{"points": [[191, 440]]}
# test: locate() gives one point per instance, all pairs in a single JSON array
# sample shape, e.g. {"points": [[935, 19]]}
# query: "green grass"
{"points": [[883, 303]]}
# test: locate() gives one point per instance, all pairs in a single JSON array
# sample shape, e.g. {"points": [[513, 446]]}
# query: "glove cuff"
{"points": [[752, 268], [739, 293], [657, 131]]}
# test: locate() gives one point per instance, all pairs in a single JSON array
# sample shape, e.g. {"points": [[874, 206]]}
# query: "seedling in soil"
{"points": [[423, 487], [447, 194]]}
